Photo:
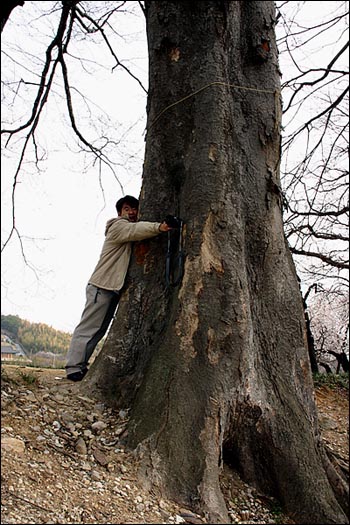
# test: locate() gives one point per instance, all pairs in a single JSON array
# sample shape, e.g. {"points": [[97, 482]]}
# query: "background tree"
{"points": [[315, 176], [330, 328], [217, 369], [72, 18], [36, 337]]}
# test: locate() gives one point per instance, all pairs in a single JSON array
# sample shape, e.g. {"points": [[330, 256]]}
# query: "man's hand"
{"points": [[164, 227]]}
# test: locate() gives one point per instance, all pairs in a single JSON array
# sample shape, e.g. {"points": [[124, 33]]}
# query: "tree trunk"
{"points": [[342, 360], [327, 368], [217, 369]]}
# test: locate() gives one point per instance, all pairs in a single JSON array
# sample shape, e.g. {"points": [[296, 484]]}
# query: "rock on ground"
{"points": [[63, 460]]}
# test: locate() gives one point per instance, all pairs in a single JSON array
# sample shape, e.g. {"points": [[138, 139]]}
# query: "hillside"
{"points": [[63, 459], [35, 337]]}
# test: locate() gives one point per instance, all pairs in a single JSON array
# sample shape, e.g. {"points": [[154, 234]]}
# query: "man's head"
{"points": [[128, 208]]}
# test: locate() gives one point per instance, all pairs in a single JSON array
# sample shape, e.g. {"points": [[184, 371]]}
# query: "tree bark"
{"points": [[217, 369]]}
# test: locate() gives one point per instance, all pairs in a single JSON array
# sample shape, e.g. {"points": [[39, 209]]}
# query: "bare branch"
{"points": [[324, 258], [101, 31]]}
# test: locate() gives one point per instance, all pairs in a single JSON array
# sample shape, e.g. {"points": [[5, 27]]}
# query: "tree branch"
{"points": [[322, 257]]}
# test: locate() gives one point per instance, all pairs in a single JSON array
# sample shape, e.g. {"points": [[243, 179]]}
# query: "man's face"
{"points": [[128, 212]]}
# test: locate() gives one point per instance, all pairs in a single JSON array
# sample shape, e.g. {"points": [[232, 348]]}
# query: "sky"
{"points": [[62, 209]]}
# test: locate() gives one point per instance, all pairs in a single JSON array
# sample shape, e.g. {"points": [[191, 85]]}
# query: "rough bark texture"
{"points": [[217, 369]]}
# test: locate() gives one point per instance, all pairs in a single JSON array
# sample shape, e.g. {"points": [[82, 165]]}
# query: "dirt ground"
{"points": [[63, 460]]}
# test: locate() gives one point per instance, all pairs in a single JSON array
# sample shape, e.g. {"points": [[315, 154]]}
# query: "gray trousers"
{"points": [[98, 312]]}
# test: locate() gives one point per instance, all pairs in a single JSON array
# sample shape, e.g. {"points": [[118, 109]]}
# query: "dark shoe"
{"points": [[77, 376]]}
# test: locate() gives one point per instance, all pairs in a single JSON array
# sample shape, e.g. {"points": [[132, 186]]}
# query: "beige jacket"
{"points": [[114, 260]]}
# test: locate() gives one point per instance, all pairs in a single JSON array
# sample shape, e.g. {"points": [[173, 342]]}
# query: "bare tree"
{"points": [[330, 327], [75, 21], [315, 140]]}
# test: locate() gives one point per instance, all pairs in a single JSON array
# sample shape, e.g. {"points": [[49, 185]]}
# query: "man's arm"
{"points": [[125, 231]]}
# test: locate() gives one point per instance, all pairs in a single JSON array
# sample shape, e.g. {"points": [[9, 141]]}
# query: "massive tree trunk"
{"points": [[217, 368]]}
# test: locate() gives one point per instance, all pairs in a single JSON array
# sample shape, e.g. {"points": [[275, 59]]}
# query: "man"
{"points": [[107, 280]]}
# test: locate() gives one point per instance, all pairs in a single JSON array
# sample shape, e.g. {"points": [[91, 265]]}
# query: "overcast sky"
{"points": [[61, 212]]}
